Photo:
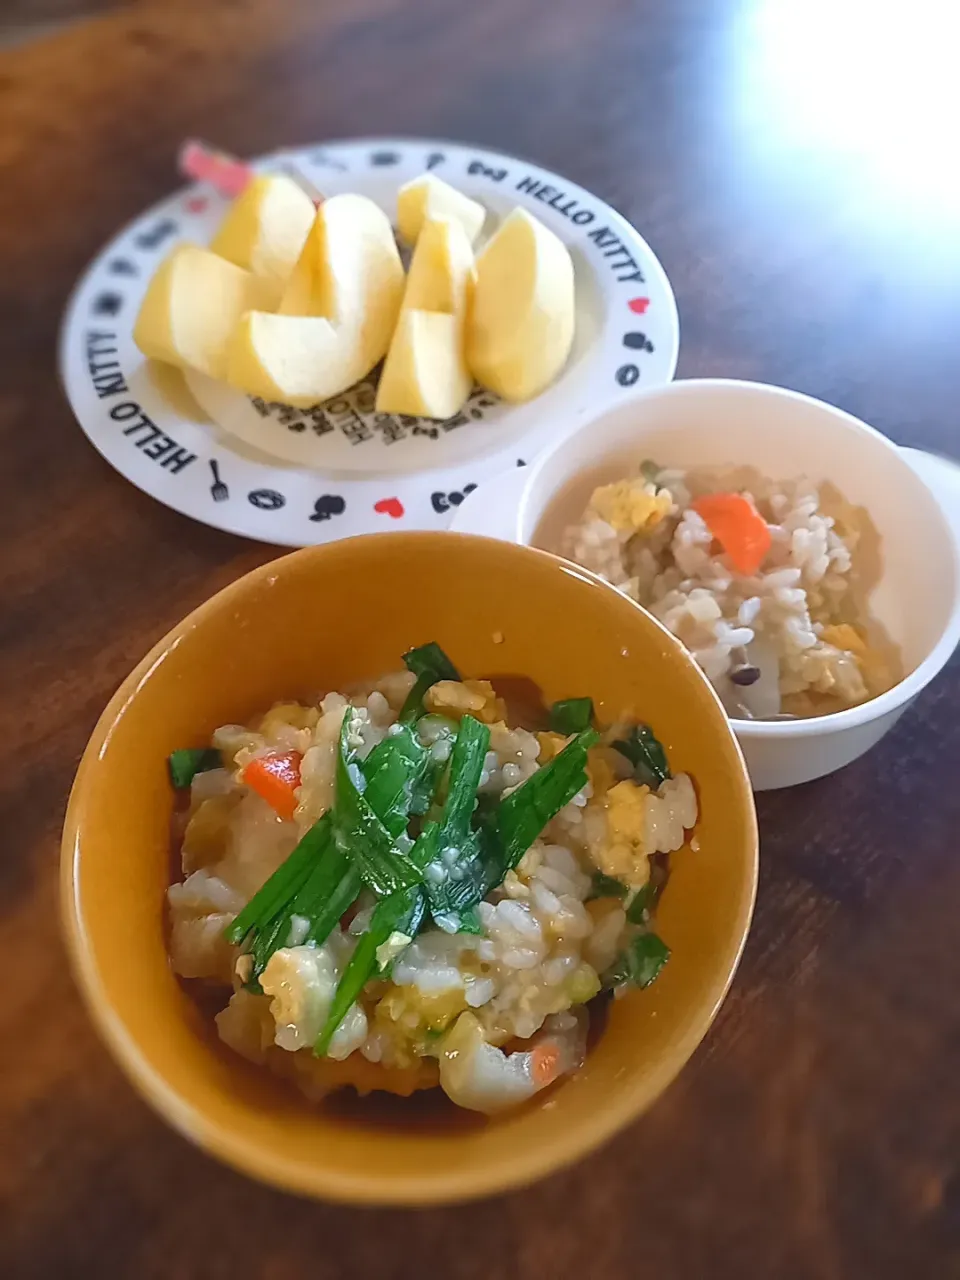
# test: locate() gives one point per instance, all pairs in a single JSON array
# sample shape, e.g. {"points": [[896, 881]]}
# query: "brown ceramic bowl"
{"points": [[324, 618]]}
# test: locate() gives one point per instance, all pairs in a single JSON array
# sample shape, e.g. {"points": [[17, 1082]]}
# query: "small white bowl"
{"points": [[782, 434]]}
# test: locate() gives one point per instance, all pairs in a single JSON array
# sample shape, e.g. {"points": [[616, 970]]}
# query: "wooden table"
{"points": [[817, 1132]]}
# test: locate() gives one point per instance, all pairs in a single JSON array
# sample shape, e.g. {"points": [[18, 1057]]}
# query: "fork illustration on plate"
{"points": [[218, 490]]}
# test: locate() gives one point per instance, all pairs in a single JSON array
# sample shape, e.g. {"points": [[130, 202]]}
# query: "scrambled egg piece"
{"points": [[407, 1019], [551, 744], [600, 770], [620, 851], [583, 984], [628, 506], [871, 666], [843, 636], [457, 698]]}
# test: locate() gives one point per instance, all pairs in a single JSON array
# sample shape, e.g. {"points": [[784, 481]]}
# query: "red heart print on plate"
{"points": [[197, 204], [389, 507], [638, 305]]}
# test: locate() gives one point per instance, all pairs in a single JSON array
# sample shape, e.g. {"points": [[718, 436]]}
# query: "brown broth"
{"points": [[524, 701]]}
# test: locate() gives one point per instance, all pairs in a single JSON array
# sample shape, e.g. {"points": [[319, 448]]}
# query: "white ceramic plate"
{"points": [[298, 477]]}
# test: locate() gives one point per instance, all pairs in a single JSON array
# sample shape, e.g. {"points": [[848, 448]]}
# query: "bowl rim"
{"points": [[891, 700], [248, 1155]]}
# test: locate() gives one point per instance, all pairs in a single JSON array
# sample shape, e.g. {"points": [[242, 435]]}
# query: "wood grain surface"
{"points": [[817, 1131]]}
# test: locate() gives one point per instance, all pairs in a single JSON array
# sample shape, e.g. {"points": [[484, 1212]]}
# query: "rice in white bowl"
{"points": [[466, 1009], [791, 638]]}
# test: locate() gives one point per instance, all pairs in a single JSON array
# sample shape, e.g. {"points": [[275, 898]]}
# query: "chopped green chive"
{"points": [[606, 887], [643, 902], [400, 912], [318, 880], [284, 884], [470, 922], [639, 964], [645, 753], [571, 715], [361, 835], [185, 764], [430, 658], [429, 664], [527, 810], [452, 885]]}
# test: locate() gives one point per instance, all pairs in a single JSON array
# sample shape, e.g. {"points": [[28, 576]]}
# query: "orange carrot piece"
{"points": [[276, 778], [545, 1063], [738, 526]]}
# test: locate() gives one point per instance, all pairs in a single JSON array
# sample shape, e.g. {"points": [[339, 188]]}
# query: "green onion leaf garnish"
{"points": [[401, 912], [527, 810], [639, 964], [466, 766], [318, 880], [429, 664], [645, 753], [470, 922], [284, 884], [430, 658], [395, 771], [571, 715], [504, 834], [456, 873], [361, 835], [644, 901], [606, 887], [186, 763]]}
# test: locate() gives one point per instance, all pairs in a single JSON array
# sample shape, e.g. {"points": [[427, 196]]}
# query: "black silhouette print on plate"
{"points": [[155, 236], [107, 303], [442, 502], [322, 160], [379, 159], [478, 168], [637, 342], [330, 505], [218, 490], [266, 499], [435, 158], [627, 375], [122, 267]]}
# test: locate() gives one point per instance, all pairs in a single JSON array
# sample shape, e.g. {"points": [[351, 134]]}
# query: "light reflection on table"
{"points": [[861, 99]]}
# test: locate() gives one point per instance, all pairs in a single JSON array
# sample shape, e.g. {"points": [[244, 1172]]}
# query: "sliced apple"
{"points": [[520, 328], [337, 315], [431, 197], [298, 360], [191, 307], [350, 257], [425, 372], [265, 228]]}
